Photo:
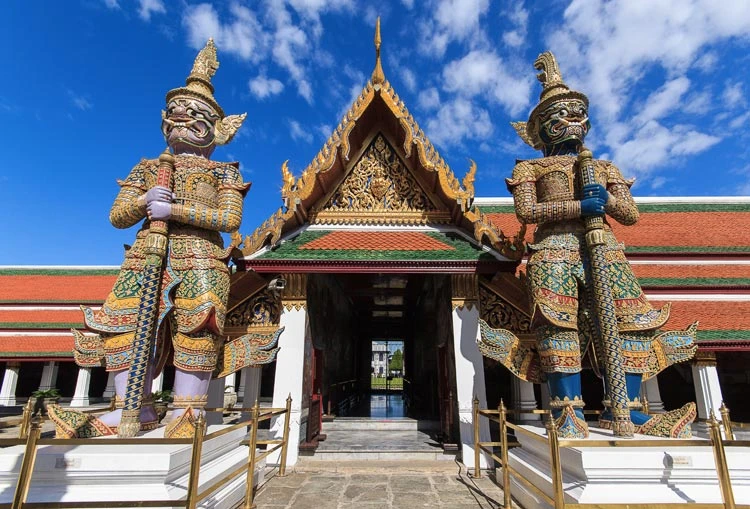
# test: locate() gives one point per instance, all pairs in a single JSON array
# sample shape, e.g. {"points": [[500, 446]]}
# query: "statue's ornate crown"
{"points": [[198, 85], [553, 89]]}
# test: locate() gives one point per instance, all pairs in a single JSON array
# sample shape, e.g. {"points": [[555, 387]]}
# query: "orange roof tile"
{"points": [[35, 345], [52, 288], [691, 271], [712, 315], [377, 241], [41, 316]]}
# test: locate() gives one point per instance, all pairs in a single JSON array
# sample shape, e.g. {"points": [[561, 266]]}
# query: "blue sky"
{"points": [[84, 82]]}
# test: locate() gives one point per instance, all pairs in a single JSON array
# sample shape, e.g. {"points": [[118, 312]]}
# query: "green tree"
{"points": [[397, 361]]}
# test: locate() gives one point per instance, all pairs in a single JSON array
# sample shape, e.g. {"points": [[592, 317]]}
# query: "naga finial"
{"points": [[378, 77], [550, 75], [206, 63]]}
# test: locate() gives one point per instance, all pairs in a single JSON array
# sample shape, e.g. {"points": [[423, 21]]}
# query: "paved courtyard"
{"points": [[394, 489]]}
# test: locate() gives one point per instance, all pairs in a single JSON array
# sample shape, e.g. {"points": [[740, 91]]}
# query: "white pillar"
{"points": [[545, 396], [109, 390], [469, 379], [10, 381], [651, 389], [706, 381], [289, 375], [158, 383], [49, 376], [249, 390], [215, 400], [229, 382], [524, 400], [81, 394]]}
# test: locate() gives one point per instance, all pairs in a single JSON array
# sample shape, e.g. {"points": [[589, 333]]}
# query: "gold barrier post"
{"points": [[285, 438], [27, 465], [722, 470], [644, 402], [504, 454], [250, 482], [554, 450], [726, 421], [195, 461], [23, 431], [475, 421]]}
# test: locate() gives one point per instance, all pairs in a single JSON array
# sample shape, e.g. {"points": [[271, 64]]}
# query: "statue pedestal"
{"points": [[623, 475], [79, 473]]}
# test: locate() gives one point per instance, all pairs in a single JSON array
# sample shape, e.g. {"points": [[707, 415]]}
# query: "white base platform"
{"points": [[623, 475], [119, 472]]}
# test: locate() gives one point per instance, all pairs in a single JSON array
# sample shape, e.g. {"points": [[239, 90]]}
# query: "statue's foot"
{"points": [[183, 426], [569, 424], [71, 423], [672, 424], [76, 424]]}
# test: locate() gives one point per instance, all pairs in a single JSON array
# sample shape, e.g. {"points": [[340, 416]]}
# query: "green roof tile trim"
{"points": [[462, 250], [648, 208], [58, 272], [40, 325], [694, 281], [723, 335], [687, 249]]}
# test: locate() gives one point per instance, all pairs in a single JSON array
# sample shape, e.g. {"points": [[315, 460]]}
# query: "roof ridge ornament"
{"points": [[378, 77]]}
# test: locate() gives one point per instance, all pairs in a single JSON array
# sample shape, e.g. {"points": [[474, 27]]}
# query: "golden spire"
{"points": [[377, 74]]}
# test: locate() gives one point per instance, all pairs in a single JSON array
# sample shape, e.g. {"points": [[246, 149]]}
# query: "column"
{"points": [[545, 395], [469, 364], [215, 400], [81, 394], [707, 389], [290, 363], [525, 400], [249, 385], [49, 376], [651, 390], [229, 382], [10, 381], [157, 383], [109, 390]]}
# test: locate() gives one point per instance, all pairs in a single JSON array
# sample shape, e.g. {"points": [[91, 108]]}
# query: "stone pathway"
{"points": [[392, 490]]}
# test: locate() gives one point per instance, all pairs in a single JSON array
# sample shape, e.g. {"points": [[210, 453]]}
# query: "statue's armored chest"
{"points": [[191, 183], [558, 179]]}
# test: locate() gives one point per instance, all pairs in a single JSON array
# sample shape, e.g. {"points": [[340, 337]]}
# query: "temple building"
{"points": [[378, 239]]}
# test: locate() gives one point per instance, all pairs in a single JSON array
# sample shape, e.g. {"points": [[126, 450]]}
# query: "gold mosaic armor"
{"points": [[546, 192], [195, 286]]}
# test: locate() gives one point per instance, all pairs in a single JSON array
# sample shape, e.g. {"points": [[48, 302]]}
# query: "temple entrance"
{"points": [[377, 341]]}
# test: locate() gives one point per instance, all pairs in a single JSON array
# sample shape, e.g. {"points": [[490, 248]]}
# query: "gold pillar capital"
{"points": [[294, 294], [464, 290], [704, 358]]}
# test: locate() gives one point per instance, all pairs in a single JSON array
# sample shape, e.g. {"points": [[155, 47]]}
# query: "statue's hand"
{"points": [[159, 210], [158, 193], [595, 191], [594, 199]]}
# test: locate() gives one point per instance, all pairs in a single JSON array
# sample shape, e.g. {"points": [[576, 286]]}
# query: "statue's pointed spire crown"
{"points": [[378, 77], [198, 83]]}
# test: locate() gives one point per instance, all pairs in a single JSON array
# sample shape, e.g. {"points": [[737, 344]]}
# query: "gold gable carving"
{"points": [[379, 189]]}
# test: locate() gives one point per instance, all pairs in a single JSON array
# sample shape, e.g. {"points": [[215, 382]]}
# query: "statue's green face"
{"points": [[189, 126], [563, 125]]}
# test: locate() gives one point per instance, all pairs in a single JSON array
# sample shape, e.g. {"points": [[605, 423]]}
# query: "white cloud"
{"points": [[409, 4], [243, 36], [148, 7], [263, 87], [664, 100], [519, 17], [429, 99], [458, 120], [484, 72], [297, 132], [112, 4], [733, 95], [453, 20], [407, 75], [79, 101]]}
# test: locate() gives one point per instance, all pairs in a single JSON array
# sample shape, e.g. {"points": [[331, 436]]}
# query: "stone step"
{"points": [[370, 424], [305, 464], [362, 455]]}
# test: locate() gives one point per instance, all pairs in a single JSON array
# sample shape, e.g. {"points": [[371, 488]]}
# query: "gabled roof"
{"points": [[377, 118]]}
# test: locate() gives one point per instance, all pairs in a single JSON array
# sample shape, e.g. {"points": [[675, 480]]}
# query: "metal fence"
{"points": [[554, 443], [30, 437]]}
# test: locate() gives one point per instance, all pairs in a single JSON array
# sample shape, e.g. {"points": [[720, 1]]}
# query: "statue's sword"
{"points": [[148, 307], [614, 374]]}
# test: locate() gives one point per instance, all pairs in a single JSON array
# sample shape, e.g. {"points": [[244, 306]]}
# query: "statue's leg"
{"points": [[560, 354], [148, 413], [672, 424]]}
